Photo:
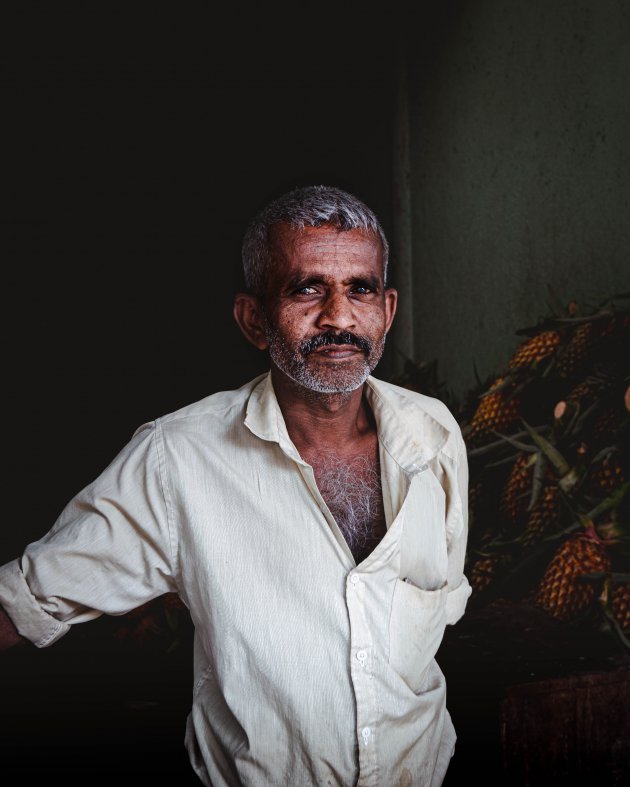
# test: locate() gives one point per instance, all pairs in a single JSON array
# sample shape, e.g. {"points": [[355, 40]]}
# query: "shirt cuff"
{"points": [[22, 607], [456, 601]]}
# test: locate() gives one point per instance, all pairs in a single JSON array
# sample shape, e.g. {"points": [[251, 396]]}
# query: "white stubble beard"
{"points": [[295, 366]]}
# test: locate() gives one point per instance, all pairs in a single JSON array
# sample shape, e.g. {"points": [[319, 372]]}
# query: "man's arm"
{"points": [[457, 534], [109, 551], [9, 636]]}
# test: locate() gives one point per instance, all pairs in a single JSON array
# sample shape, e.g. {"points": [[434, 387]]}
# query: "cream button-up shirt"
{"points": [[308, 668]]}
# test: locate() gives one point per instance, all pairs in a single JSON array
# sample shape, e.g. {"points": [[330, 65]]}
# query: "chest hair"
{"points": [[351, 488]]}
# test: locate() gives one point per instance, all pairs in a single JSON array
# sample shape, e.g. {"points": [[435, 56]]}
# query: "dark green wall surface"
{"points": [[519, 172]]}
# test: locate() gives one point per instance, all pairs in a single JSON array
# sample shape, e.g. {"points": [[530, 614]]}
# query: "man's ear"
{"points": [[391, 301], [249, 317]]}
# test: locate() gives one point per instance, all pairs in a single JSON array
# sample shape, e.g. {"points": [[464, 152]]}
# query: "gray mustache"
{"points": [[324, 339]]}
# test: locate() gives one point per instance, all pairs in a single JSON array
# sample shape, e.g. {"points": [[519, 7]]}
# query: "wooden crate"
{"points": [[568, 730]]}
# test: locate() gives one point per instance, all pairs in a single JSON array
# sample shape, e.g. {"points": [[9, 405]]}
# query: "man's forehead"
{"points": [[291, 244]]}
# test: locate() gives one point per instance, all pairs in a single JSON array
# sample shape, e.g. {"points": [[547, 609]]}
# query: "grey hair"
{"points": [[309, 206]]}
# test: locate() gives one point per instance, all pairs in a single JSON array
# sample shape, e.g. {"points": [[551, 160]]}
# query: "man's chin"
{"points": [[332, 383], [332, 390], [340, 376]]}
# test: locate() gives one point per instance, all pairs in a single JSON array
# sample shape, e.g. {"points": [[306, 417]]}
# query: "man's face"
{"points": [[326, 308]]}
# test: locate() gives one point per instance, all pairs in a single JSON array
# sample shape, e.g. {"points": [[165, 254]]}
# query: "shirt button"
{"points": [[355, 579], [362, 656], [366, 732]]}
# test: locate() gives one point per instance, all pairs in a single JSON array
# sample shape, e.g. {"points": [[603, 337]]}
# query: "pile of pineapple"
{"points": [[548, 441]]}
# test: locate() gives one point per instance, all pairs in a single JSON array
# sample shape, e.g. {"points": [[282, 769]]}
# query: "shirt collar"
{"points": [[264, 418], [406, 428]]}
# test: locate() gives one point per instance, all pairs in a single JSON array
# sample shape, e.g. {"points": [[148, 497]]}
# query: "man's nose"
{"points": [[337, 313]]}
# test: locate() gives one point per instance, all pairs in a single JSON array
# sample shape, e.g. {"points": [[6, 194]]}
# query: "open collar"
{"points": [[406, 428]]}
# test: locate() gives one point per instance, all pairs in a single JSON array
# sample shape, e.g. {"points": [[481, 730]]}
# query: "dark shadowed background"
{"points": [[139, 143], [139, 140]]}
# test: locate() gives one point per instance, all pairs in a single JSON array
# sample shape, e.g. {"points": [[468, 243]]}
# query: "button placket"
{"points": [[361, 671]]}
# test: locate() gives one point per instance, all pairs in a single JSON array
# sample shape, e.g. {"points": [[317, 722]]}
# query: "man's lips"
{"points": [[337, 350]]}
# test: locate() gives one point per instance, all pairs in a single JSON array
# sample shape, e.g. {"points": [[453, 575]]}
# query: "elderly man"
{"points": [[313, 521]]}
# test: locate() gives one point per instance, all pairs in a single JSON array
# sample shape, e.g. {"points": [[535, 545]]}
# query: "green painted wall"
{"points": [[519, 169]]}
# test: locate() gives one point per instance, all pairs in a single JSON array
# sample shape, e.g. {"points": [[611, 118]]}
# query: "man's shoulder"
{"points": [[222, 405], [420, 411], [410, 400]]}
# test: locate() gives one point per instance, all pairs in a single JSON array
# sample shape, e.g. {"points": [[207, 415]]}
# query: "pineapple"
{"points": [[608, 421], [559, 592], [572, 356], [497, 410], [615, 326], [620, 604], [544, 517], [533, 350], [590, 390], [607, 476], [599, 338], [515, 497], [593, 409], [484, 570]]}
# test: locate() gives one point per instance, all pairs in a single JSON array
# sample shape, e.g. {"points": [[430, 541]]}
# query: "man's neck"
{"points": [[339, 423]]}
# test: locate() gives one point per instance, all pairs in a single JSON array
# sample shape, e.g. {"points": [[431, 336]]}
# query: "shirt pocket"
{"points": [[416, 628]]}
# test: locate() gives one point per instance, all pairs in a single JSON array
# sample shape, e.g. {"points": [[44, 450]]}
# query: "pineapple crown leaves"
{"points": [[570, 475], [481, 383], [572, 322], [538, 479], [501, 384], [621, 577], [423, 376], [614, 531], [611, 299], [549, 450], [603, 311], [556, 316], [592, 576], [537, 460], [578, 523], [603, 454], [585, 522], [499, 543], [511, 439], [554, 302], [571, 422], [613, 501], [511, 458], [615, 577], [555, 307]]}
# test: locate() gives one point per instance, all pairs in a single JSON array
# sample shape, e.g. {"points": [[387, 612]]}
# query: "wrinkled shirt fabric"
{"points": [[308, 668]]}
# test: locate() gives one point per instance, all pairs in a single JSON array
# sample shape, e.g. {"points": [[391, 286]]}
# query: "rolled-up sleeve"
{"points": [[110, 550], [457, 535]]}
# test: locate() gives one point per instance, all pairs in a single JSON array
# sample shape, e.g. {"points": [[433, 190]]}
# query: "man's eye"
{"points": [[305, 291], [361, 289]]}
